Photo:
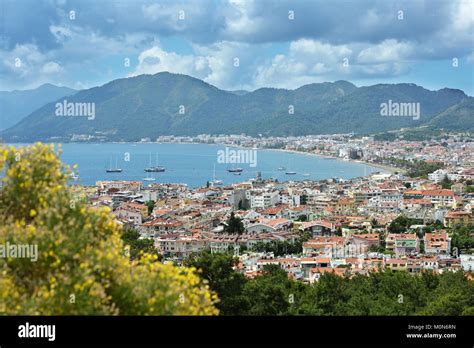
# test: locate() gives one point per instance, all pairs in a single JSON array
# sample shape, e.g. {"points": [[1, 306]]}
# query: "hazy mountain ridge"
{"points": [[16, 105], [170, 104]]}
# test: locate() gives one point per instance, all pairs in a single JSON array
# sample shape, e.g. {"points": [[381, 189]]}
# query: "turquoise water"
{"points": [[193, 164]]}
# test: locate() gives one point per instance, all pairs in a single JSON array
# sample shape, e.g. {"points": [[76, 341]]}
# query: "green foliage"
{"points": [[459, 117], [218, 270], [81, 268], [446, 183], [415, 168], [401, 224], [462, 238], [280, 248], [129, 106], [150, 205], [453, 295], [234, 225], [269, 293], [302, 218], [379, 293], [139, 246], [422, 169], [377, 248]]}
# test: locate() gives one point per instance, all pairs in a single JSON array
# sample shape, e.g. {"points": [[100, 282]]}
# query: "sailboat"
{"points": [[113, 170], [74, 176], [289, 172], [215, 181], [235, 170], [154, 169]]}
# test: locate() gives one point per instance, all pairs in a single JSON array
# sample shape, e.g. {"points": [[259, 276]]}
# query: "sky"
{"points": [[238, 44]]}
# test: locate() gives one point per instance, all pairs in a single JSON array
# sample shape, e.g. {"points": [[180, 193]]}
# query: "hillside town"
{"points": [[384, 220]]}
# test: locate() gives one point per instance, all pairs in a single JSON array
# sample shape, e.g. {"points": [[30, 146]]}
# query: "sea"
{"points": [[196, 164]]}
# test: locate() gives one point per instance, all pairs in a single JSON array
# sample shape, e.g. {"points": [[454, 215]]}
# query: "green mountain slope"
{"points": [[459, 117], [170, 104]]}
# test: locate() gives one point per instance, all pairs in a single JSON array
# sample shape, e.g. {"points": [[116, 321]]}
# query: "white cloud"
{"points": [[155, 59], [271, 50], [227, 65], [307, 61], [387, 51], [52, 68]]}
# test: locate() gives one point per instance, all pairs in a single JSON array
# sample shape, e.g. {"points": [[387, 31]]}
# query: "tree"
{"points": [[81, 267], [453, 295], [463, 237], [268, 293], [446, 183], [150, 205], [401, 224], [218, 270], [139, 246], [234, 225], [241, 205], [302, 218]]}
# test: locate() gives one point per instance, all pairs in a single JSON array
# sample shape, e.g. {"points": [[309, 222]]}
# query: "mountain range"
{"points": [[16, 105], [147, 106]]}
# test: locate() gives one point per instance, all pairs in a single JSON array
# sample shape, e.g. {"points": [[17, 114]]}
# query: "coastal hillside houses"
{"points": [[132, 186], [402, 243], [438, 243], [364, 241], [160, 226], [324, 246], [440, 197], [132, 211], [178, 246], [270, 225], [264, 200], [458, 218], [318, 227], [346, 220]]}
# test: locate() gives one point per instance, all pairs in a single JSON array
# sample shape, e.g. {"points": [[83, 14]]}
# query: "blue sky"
{"points": [[238, 44]]}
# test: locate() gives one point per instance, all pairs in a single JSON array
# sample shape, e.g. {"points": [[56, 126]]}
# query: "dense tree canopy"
{"points": [[379, 293], [234, 225], [136, 246], [81, 267], [218, 270]]}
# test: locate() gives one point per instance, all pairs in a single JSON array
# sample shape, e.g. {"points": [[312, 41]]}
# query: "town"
{"points": [[415, 215]]}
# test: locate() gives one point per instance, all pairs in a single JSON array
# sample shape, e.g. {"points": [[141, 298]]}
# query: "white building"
{"points": [[264, 200]]}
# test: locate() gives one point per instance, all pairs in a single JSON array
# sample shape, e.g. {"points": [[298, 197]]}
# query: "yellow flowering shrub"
{"points": [[81, 267]]}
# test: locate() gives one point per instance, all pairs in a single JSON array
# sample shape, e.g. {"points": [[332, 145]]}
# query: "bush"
{"points": [[81, 267]]}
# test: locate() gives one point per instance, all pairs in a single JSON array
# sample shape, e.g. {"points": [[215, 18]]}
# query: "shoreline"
{"points": [[384, 167], [387, 168]]}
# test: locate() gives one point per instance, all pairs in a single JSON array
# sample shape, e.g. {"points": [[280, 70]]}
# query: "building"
{"points": [[403, 244], [458, 218], [437, 243]]}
